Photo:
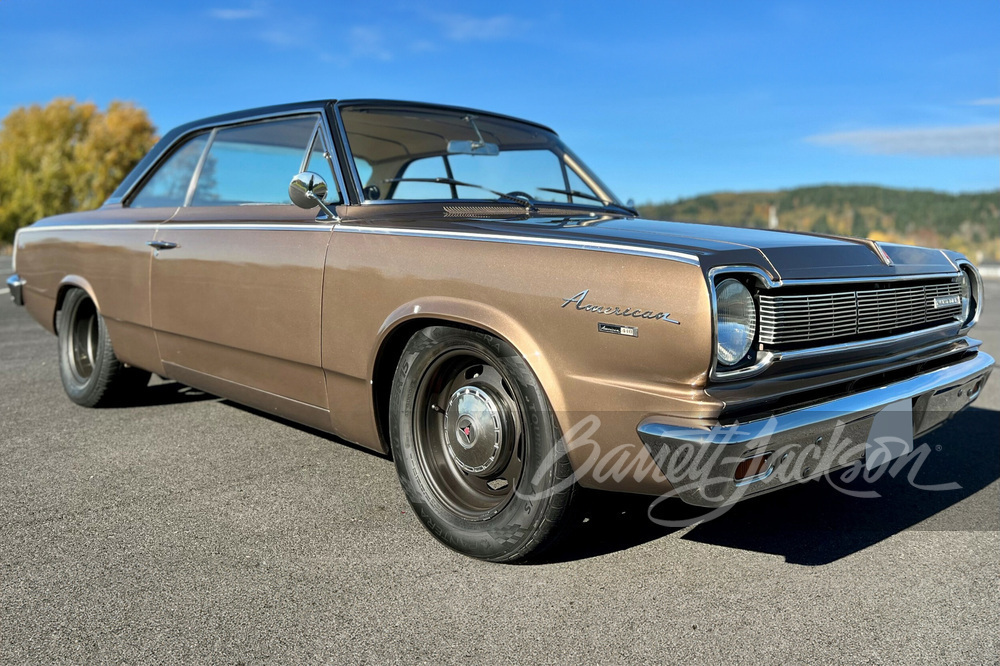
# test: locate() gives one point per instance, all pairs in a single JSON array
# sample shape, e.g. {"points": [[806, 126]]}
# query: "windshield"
{"points": [[417, 153]]}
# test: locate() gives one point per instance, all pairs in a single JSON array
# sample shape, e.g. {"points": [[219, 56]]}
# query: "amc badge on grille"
{"points": [[947, 301]]}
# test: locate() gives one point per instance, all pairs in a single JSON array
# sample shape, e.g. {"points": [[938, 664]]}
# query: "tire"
{"points": [[477, 447], [91, 373]]}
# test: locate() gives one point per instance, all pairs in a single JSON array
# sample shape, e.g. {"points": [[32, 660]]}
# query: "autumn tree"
{"points": [[66, 156]]}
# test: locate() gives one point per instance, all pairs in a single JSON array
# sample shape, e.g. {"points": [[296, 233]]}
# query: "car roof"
{"points": [[235, 116], [298, 106]]}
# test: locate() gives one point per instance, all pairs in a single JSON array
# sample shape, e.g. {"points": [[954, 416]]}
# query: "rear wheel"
{"points": [[476, 445], [91, 373]]}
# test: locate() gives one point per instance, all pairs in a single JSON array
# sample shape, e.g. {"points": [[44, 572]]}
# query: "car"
{"points": [[456, 289]]}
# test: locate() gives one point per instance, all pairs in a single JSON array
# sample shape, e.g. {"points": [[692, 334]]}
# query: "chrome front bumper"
{"points": [[701, 463], [16, 286]]}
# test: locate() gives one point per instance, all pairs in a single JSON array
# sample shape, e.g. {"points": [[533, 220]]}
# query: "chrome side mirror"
{"points": [[308, 190]]}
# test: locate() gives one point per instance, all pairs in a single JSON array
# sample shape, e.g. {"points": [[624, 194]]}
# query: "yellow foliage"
{"points": [[66, 156]]}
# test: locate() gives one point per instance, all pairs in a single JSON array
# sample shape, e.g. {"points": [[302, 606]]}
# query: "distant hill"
{"points": [[969, 223]]}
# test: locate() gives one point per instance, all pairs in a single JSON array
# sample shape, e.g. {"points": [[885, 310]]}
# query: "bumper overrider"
{"points": [[723, 464], [16, 286]]}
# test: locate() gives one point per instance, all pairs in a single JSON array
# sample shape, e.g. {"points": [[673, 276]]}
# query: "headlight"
{"points": [[966, 297], [971, 292], [736, 324]]}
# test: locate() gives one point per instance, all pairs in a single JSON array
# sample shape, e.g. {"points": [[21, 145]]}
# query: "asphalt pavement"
{"points": [[187, 529]]}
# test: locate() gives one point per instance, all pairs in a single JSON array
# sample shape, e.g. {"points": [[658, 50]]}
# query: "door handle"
{"points": [[161, 245]]}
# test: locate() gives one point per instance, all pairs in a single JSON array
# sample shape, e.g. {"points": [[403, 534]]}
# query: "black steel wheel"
{"points": [[91, 373], [476, 445]]}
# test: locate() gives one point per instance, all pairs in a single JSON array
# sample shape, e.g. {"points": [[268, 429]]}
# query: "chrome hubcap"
{"points": [[474, 431]]}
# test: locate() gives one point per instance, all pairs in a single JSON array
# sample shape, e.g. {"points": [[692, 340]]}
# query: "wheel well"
{"points": [[60, 297], [385, 367]]}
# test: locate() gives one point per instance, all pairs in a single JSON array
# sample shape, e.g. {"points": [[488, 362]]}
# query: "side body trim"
{"points": [[574, 244]]}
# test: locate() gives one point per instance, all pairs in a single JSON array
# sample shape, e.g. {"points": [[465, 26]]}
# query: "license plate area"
{"points": [[891, 434]]}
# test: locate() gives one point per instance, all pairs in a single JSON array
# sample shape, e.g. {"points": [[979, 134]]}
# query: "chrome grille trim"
{"points": [[789, 319]]}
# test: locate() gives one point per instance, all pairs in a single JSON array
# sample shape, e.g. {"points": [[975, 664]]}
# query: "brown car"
{"points": [[457, 288]]}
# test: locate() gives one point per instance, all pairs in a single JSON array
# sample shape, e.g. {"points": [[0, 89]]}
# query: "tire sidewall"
{"points": [[86, 392], [526, 518]]}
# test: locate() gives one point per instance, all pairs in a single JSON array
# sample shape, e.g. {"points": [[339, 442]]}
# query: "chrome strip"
{"points": [[348, 157], [186, 226], [198, 167], [867, 344], [858, 403], [572, 244], [948, 259], [309, 146]]}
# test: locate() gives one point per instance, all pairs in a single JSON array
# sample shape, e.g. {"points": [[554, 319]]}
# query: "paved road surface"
{"points": [[191, 530]]}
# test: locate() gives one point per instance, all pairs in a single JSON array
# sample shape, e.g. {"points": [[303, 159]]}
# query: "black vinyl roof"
{"points": [[235, 116]]}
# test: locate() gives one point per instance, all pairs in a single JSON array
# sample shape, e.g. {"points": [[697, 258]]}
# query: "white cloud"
{"points": [[237, 14], [465, 28], [988, 101], [964, 141], [280, 38], [367, 42]]}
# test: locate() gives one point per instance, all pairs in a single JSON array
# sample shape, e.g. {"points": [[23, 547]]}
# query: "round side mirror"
{"points": [[307, 190]]}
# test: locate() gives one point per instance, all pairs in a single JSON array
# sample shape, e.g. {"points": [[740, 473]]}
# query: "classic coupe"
{"points": [[456, 289]]}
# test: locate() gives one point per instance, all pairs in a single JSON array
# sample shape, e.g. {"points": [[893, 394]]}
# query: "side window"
{"points": [[317, 163], [253, 164], [169, 184], [428, 167]]}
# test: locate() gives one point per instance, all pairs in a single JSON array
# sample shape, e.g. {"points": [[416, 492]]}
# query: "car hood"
{"points": [[785, 255]]}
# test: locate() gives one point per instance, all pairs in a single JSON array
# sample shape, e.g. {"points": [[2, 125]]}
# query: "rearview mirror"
{"points": [[472, 148], [308, 190]]}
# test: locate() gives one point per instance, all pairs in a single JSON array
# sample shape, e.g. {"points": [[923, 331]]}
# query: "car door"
{"points": [[237, 275]]}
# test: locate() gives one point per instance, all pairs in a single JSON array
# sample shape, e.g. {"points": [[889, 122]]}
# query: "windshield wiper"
{"points": [[584, 195], [528, 204]]}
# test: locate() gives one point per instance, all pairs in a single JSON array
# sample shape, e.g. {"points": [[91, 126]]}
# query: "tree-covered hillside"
{"points": [[969, 223]]}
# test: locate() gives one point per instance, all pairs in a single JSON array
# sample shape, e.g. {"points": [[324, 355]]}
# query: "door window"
{"points": [[169, 184], [253, 164]]}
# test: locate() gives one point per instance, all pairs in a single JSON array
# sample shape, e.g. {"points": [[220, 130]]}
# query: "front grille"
{"points": [[799, 318]]}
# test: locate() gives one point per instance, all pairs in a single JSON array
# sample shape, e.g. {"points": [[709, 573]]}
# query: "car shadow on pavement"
{"points": [[166, 392], [301, 427], [820, 521]]}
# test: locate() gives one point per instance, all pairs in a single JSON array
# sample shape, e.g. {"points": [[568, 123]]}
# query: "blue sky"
{"points": [[662, 99]]}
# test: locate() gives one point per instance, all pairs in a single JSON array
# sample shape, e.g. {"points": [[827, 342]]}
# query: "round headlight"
{"points": [[966, 297], [736, 325]]}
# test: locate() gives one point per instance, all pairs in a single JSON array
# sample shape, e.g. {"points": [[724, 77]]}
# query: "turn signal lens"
{"points": [[751, 467]]}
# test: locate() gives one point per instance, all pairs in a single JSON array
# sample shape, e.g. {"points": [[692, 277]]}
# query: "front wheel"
{"points": [[91, 373], [477, 446]]}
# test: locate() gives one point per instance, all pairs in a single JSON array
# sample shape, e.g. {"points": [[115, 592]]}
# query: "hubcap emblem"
{"points": [[474, 430]]}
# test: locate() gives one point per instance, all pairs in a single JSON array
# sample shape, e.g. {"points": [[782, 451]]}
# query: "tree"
{"points": [[66, 156], [822, 225], [859, 228]]}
